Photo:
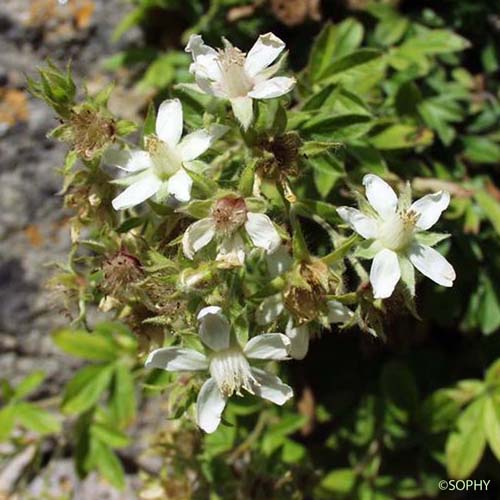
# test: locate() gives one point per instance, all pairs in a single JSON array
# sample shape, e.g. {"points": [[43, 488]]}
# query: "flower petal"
{"points": [[169, 122], [214, 328], [275, 87], [385, 273], [380, 195], [177, 359], [269, 309], [299, 337], [243, 110], [268, 346], [430, 207], [137, 192], [131, 161], [265, 50], [205, 59], [196, 143], [209, 406], [361, 223], [232, 251], [279, 261], [337, 312], [271, 387], [197, 236], [262, 232], [432, 264], [179, 185]]}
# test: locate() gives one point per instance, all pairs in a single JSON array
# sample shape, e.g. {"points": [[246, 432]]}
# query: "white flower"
{"points": [[228, 365], [395, 230], [228, 218], [231, 74], [159, 170], [272, 307]]}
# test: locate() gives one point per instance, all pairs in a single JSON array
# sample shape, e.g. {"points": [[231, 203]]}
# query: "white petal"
{"points": [[179, 185], [279, 261], [232, 251], [299, 337], [338, 313], [432, 264], [430, 208], [267, 346], [269, 309], [197, 236], [209, 406], [271, 387], [275, 87], [177, 359], [265, 50], [385, 273], [137, 192], [131, 161], [214, 328], [243, 110], [380, 195], [361, 223], [196, 143], [205, 59], [262, 232], [169, 122]]}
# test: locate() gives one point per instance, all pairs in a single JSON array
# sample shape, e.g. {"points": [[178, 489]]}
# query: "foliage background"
{"points": [[409, 91]]}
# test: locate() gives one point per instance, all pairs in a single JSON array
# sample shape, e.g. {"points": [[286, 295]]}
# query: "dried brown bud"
{"points": [[306, 291], [91, 132], [120, 271], [295, 12], [229, 214]]}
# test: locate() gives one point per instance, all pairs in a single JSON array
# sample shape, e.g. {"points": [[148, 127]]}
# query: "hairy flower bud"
{"points": [[120, 271], [282, 159]]}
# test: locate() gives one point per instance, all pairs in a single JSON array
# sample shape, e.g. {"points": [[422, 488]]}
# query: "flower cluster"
{"points": [[304, 293]]}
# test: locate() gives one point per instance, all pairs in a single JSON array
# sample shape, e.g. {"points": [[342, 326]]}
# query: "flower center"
{"points": [[229, 214], [166, 160], [396, 232], [235, 80], [231, 372]]}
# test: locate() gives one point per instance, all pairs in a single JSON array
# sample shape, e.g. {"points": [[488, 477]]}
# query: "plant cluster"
{"points": [[223, 237]]}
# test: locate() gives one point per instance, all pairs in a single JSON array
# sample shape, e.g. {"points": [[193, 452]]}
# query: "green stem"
{"points": [[341, 251]]}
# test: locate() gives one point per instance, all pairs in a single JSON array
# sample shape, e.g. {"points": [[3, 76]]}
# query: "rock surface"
{"points": [[33, 233]]}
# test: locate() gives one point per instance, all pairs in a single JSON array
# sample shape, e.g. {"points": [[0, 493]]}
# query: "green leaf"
{"points": [[86, 345], [370, 159], [337, 128], [38, 420], [350, 61], [465, 445], [438, 412], [490, 207], [221, 441], [401, 136], [333, 43], [108, 464], [86, 387], [481, 149], [340, 481], [492, 423], [123, 400], [111, 437], [276, 434], [493, 374], [292, 452], [7, 419], [29, 384], [328, 170]]}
